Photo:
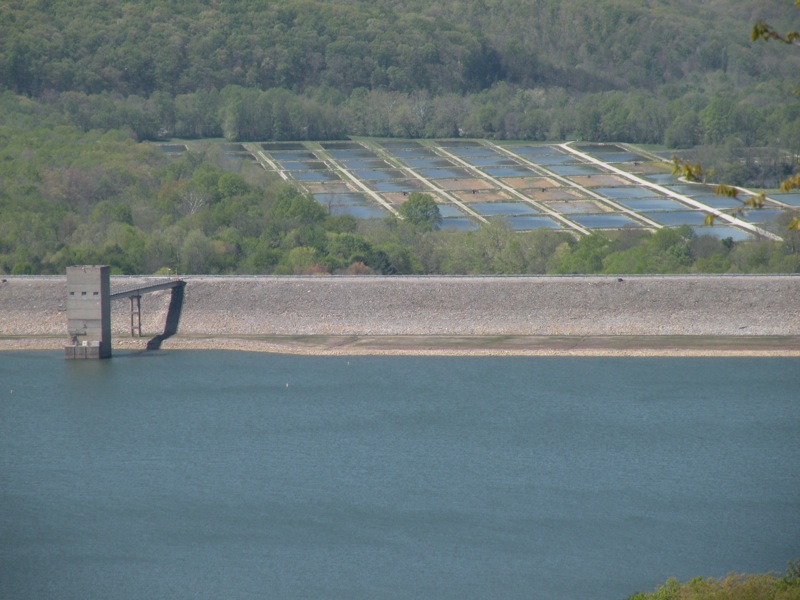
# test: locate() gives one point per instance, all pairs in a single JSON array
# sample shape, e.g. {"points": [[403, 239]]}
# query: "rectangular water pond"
{"points": [[368, 211], [293, 156], [365, 163], [428, 163], [397, 185], [643, 204], [528, 151], [691, 189], [454, 173], [661, 178], [575, 169], [450, 210], [763, 216], [677, 218], [574, 208], [723, 231], [344, 155], [605, 221], [508, 171], [525, 223], [413, 153], [471, 152], [302, 165], [627, 191], [551, 159], [490, 209], [378, 174], [494, 160], [792, 199], [718, 202], [343, 199], [313, 175]]}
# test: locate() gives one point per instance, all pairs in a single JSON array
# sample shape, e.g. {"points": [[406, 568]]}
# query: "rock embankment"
{"points": [[445, 306]]}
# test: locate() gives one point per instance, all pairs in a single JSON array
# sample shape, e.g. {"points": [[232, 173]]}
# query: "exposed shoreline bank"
{"points": [[614, 346]]}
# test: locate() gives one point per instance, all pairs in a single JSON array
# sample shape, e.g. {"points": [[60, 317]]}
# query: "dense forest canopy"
{"points": [[125, 48], [82, 84], [672, 71]]}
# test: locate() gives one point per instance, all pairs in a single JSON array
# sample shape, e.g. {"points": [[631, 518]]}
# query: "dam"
{"points": [[244, 311]]}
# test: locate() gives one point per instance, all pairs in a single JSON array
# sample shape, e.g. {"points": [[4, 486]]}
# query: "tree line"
{"points": [[745, 144]]}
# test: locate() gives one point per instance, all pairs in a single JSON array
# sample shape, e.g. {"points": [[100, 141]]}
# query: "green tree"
{"points": [[300, 261], [230, 185], [421, 211], [22, 268], [195, 253], [585, 256], [292, 209], [718, 119], [345, 249], [685, 131]]}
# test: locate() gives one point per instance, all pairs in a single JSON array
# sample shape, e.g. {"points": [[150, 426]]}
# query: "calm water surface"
{"points": [[186, 474]]}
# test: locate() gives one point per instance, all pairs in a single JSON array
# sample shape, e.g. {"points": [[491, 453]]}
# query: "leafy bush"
{"points": [[731, 587]]}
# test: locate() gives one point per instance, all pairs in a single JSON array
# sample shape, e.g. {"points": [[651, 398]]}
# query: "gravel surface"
{"points": [[443, 306]]}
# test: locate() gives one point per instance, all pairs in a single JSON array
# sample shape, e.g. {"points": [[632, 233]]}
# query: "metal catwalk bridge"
{"points": [[135, 294]]}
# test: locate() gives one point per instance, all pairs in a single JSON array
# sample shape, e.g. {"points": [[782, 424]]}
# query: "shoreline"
{"points": [[456, 346]]}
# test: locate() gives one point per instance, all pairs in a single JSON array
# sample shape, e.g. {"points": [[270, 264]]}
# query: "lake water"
{"points": [[198, 474]]}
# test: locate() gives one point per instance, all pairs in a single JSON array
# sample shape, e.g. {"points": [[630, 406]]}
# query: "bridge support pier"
{"points": [[136, 316]]}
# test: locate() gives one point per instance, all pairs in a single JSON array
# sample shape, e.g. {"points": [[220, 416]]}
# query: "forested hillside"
{"points": [[460, 46], [675, 71], [82, 83]]}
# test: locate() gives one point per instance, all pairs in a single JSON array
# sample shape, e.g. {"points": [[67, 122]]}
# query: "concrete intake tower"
{"points": [[88, 312]]}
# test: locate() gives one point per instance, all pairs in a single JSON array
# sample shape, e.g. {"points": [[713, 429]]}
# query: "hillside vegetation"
{"points": [[83, 84], [125, 47], [734, 586]]}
